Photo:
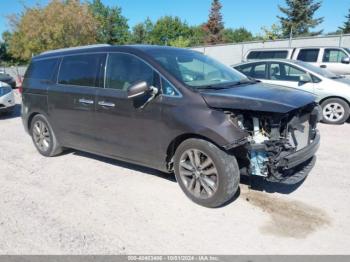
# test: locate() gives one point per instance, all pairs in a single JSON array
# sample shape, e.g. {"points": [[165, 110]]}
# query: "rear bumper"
{"points": [[295, 159]]}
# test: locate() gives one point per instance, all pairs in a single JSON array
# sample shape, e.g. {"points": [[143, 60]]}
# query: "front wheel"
{"points": [[335, 111], [208, 175]]}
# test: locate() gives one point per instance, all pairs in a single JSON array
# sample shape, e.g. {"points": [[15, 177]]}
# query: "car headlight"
{"points": [[4, 90]]}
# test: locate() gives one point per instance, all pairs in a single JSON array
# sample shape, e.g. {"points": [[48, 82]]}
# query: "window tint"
{"points": [[168, 89], [82, 70], [245, 69], [42, 69], [268, 54], [285, 72], [259, 71], [123, 70], [333, 56], [308, 55]]}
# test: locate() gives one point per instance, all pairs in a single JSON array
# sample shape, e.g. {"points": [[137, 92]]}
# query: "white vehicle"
{"points": [[7, 98], [335, 59], [332, 91]]}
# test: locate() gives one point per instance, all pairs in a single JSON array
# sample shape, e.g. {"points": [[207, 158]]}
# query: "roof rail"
{"points": [[74, 48]]}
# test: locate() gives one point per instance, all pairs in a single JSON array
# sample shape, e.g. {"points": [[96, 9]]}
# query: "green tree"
{"points": [[168, 29], [299, 17], [141, 32], [236, 35], [272, 33], [215, 25], [113, 27], [198, 35], [346, 27], [180, 42], [59, 24]]}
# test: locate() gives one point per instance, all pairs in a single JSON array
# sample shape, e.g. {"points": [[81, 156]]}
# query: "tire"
{"points": [[198, 181], [335, 111], [44, 137]]}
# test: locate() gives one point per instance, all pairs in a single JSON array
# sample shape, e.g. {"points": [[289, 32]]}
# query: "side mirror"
{"points": [[346, 60], [305, 79], [138, 89]]}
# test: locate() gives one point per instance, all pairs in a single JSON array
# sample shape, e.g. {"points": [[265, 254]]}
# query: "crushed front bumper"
{"points": [[299, 157], [295, 167]]}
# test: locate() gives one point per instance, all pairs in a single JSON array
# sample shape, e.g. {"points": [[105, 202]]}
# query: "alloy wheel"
{"points": [[333, 112], [41, 135], [198, 173]]}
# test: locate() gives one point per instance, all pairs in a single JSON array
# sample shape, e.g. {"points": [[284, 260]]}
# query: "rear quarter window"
{"points": [[42, 69], [280, 54]]}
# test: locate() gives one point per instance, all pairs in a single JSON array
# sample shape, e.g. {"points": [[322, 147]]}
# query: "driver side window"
{"points": [[123, 70]]}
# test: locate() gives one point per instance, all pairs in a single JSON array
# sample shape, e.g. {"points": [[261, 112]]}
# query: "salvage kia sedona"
{"points": [[174, 110]]}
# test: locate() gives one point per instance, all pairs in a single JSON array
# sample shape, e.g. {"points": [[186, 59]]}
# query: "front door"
{"points": [[72, 100], [287, 75], [332, 60], [125, 129]]}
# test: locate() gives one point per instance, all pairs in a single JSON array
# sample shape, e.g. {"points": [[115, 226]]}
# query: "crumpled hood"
{"points": [[258, 97]]}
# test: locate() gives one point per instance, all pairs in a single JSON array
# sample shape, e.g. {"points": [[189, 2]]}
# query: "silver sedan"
{"points": [[332, 91], [7, 98]]}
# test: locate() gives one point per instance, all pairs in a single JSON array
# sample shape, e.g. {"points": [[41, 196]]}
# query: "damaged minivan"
{"points": [[174, 110]]}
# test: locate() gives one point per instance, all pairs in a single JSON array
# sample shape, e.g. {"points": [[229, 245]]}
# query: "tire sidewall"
{"points": [[228, 172], [51, 146], [343, 104]]}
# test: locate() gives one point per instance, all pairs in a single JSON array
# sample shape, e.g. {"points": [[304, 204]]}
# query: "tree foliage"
{"points": [[141, 33], [60, 24], [215, 24], [272, 33], [236, 35], [113, 27], [299, 17], [346, 27], [168, 29]]}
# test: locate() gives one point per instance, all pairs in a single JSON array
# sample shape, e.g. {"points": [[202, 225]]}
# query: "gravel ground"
{"points": [[80, 203]]}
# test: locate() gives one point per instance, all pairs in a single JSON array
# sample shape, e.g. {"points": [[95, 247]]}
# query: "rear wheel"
{"points": [[43, 137], [335, 111], [207, 175]]}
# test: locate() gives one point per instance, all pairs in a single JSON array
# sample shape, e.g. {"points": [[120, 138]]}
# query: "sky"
{"points": [[251, 14]]}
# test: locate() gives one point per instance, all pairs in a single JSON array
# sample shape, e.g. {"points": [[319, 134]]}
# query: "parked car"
{"points": [[335, 59], [7, 98], [332, 91], [6, 78], [170, 109]]}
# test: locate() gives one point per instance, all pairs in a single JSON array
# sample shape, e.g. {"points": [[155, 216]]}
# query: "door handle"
{"points": [[106, 104], [323, 66], [86, 101]]}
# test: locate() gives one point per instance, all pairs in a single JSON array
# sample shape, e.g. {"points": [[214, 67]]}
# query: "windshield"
{"points": [[318, 70], [197, 70]]}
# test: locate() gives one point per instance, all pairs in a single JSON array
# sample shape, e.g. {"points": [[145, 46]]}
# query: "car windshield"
{"points": [[197, 70], [318, 70]]}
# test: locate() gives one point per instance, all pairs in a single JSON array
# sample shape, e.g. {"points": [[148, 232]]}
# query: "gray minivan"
{"points": [[174, 110]]}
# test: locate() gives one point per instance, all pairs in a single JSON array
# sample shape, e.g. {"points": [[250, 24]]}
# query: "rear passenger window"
{"points": [[284, 72], [308, 55], [259, 71], [82, 70], [42, 69], [333, 56], [123, 70]]}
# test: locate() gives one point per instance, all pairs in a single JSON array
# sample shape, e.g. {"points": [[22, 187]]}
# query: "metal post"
{"points": [[290, 37], [341, 39]]}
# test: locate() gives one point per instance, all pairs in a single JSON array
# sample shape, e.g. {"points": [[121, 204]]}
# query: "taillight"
{"points": [[20, 88]]}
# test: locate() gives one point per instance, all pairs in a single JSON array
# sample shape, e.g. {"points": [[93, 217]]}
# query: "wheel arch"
{"points": [[331, 97]]}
